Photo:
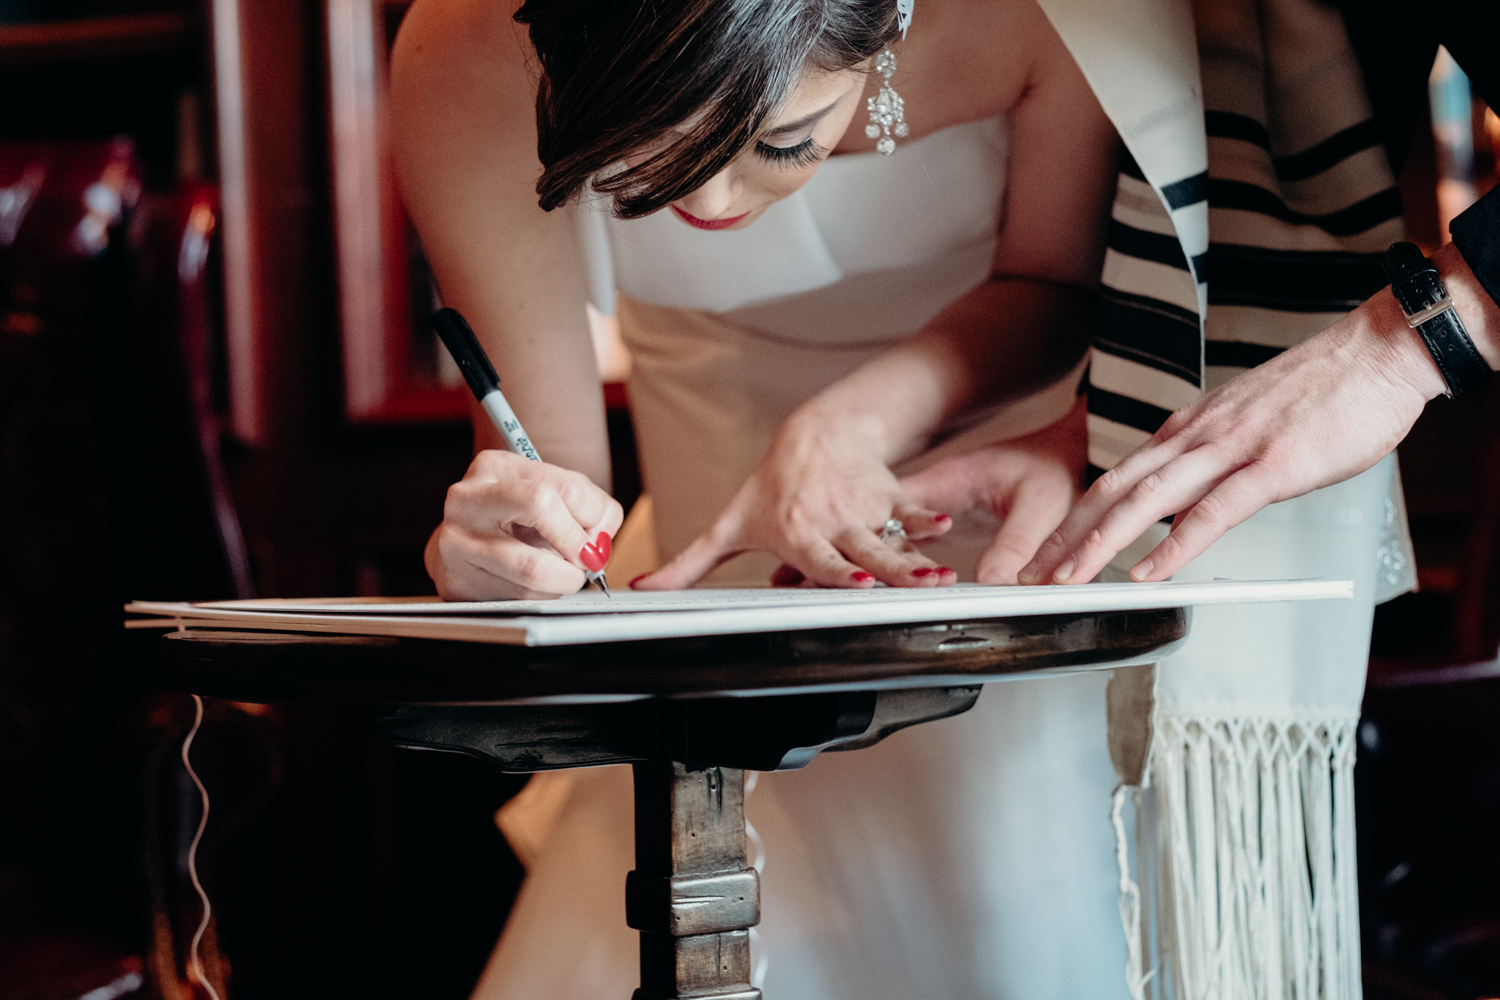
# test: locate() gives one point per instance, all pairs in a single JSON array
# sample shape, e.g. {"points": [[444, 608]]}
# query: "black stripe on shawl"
{"points": [[1357, 218], [1228, 125], [1299, 166], [1145, 245], [1291, 280], [1328, 153], [1150, 332], [1237, 354], [1179, 194], [1188, 191], [1127, 411]]}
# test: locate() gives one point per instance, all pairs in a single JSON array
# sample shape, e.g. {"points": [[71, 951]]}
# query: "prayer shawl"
{"points": [[1249, 215]]}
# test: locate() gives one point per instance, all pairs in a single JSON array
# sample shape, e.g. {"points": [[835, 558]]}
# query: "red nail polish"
{"points": [[860, 576], [604, 543], [638, 580], [942, 519], [923, 571], [592, 558], [946, 571]]}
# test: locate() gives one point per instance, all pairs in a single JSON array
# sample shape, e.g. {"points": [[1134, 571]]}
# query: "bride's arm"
{"points": [[825, 483], [464, 132], [1031, 322]]}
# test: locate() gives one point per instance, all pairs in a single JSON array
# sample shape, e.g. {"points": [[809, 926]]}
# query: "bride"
{"points": [[838, 251]]}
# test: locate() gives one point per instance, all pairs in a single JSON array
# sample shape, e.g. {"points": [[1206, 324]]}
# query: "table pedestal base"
{"points": [[692, 896], [688, 713]]}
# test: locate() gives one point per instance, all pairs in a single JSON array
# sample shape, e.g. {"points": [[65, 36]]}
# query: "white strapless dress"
{"points": [[970, 857], [967, 858]]}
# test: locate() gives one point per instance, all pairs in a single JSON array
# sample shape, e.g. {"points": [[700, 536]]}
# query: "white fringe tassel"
{"points": [[1130, 897], [1252, 892]]}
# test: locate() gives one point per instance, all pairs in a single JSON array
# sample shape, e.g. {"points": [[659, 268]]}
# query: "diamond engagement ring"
{"points": [[892, 529]]}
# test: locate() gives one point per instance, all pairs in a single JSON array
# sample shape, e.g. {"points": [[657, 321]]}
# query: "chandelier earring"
{"points": [[887, 110]]}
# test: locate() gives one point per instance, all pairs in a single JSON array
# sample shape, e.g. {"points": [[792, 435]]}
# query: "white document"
{"points": [[592, 617]]}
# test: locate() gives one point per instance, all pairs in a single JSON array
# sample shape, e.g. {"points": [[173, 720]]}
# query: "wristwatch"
{"points": [[1429, 311]]}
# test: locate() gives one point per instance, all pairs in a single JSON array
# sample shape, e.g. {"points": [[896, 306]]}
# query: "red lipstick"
{"points": [[693, 220]]}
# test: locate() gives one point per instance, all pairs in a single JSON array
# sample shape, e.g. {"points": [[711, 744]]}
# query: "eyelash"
{"points": [[804, 154]]}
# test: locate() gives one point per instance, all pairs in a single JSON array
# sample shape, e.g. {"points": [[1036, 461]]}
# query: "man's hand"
{"points": [[1316, 415], [1028, 483]]}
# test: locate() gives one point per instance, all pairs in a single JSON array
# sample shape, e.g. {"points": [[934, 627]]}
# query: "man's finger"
{"points": [[1175, 486], [1228, 504], [1107, 490], [1115, 511], [1036, 510]]}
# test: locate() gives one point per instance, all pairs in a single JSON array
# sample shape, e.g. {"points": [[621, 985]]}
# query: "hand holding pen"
{"points": [[533, 503]]}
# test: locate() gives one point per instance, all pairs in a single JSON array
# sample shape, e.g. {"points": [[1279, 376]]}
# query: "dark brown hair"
{"points": [[619, 76]]}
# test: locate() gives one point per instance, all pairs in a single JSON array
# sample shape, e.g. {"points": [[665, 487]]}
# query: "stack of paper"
{"points": [[590, 616]]}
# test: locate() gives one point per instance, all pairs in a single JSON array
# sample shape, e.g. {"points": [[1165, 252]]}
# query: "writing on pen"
{"points": [[474, 363]]}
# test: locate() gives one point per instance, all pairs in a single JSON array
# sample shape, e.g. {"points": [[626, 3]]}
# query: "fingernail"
{"points": [[638, 580], [1028, 573], [946, 571], [1061, 574], [924, 571], [942, 519], [604, 543], [1142, 570], [592, 558], [860, 576]]}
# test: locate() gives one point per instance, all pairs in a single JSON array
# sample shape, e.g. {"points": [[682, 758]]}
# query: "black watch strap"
{"points": [[1429, 311]]}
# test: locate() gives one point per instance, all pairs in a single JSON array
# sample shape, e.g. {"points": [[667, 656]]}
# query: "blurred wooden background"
{"points": [[322, 405]]}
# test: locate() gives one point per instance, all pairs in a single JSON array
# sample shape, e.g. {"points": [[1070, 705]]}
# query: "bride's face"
{"points": [[784, 157]]}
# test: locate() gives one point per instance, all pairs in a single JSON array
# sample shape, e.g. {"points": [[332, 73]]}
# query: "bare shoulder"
{"points": [[463, 130], [463, 36], [976, 59], [463, 89], [1009, 32]]}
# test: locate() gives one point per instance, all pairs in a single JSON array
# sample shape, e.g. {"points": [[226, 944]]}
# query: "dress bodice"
{"points": [[870, 248], [730, 331]]}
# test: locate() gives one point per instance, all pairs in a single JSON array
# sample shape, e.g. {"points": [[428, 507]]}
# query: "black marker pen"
{"points": [[469, 354]]}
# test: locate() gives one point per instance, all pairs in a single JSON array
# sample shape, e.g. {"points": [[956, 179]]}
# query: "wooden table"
{"points": [[689, 714]]}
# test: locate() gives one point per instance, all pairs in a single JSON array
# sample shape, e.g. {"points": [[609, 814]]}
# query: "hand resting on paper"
{"points": [[1028, 483], [817, 499], [824, 488], [506, 523], [1317, 414]]}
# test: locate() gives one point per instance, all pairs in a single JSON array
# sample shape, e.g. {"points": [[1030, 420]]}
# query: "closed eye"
{"points": [[804, 154]]}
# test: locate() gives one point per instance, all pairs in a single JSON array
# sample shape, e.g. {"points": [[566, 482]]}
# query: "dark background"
{"points": [[337, 864]]}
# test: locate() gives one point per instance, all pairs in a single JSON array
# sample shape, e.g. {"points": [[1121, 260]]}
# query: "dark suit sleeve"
{"points": [[1395, 41], [1476, 234]]}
